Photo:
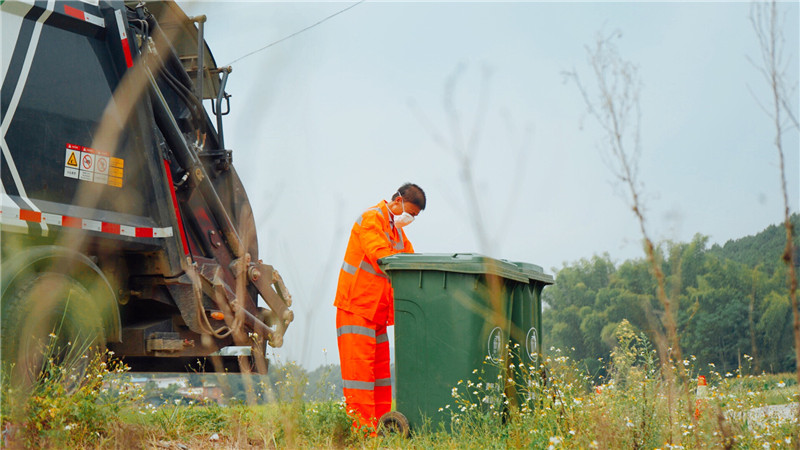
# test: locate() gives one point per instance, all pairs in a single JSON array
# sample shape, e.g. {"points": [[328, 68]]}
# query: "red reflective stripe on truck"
{"points": [[30, 216], [144, 232], [112, 228], [72, 222], [11, 212], [127, 50], [177, 210], [74, 12], [123, 37], [84, 16]]}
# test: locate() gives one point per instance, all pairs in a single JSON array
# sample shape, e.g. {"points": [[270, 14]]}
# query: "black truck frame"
{"points": [[124, 222]]}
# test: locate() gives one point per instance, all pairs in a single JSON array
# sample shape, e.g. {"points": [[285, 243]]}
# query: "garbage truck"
{"points": [[124, 223]]}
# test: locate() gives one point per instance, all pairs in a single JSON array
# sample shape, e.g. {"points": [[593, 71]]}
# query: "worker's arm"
{"points": [[373, 239]]}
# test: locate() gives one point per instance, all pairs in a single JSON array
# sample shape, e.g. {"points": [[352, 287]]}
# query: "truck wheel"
{"points": [[393, 422], [49, 317]]}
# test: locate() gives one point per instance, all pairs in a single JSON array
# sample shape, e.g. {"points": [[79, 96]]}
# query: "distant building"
{"points": [[163, 383], [208, 392]]}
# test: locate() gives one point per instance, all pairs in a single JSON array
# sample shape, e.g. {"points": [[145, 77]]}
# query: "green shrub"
{"points": [[552, 404], [73, 400]]}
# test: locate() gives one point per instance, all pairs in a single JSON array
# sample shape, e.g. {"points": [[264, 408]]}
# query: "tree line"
{"points": [[731, 303]]}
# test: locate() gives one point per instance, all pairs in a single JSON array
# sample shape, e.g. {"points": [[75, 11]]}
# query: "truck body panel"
{"points": [[107, 150]]}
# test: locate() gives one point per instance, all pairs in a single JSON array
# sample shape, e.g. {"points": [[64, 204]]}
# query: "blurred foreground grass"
{"points": [[632, 407]]}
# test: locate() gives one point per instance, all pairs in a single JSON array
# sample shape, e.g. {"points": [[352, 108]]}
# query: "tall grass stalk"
{"points": [[615, 107], [768, 24]]}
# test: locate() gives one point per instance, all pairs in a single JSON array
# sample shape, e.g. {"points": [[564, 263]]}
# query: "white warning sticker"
{"points": [[87, 161], [101, 165], [88, 164]]}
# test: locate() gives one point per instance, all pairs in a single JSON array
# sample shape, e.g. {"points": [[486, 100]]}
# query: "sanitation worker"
{"points": [[365, 303]]}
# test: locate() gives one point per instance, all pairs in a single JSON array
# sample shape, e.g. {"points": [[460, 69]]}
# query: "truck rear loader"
{"points": [[124, 223]]}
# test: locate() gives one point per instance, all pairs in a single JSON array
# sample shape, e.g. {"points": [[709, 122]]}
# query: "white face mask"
{"points": [[403, 219]]}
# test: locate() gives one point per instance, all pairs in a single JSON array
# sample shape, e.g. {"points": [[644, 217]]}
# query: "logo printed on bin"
{"points": [[532, 344], [495, 346]]}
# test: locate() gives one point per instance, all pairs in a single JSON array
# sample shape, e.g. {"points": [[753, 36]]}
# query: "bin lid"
{"points": [[453, 262], [533, 272]]}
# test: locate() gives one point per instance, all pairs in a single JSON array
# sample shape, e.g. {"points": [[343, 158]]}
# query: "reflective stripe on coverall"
{"points": [[366, 377], [365, 305], [363, 288]]}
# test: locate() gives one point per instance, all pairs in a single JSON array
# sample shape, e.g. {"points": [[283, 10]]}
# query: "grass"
{"points": [[632, 408], [71, 400]]}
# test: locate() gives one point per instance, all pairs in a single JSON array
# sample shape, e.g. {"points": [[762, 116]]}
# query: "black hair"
{"points": [[411, 193]]}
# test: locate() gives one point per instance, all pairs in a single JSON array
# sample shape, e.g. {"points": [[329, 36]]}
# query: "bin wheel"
{"points": [[393, 422]]}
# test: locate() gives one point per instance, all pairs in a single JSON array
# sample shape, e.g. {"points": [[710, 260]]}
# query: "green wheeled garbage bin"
{"points": [[452, 314], [526, 332]]}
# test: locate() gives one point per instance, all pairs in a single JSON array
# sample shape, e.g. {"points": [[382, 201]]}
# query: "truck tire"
{"points": [[48, 316]]}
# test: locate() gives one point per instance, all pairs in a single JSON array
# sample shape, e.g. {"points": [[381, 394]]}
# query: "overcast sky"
{"points": [[331, 121]]}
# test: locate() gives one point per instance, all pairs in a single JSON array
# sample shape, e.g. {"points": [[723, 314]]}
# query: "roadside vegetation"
{"points": [[732, 303], [569, 408]]}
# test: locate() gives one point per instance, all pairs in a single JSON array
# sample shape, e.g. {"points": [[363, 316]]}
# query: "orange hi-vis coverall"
{"points": [[365, 305]]}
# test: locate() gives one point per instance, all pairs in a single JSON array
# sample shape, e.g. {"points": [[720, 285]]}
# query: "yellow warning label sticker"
{"points": [[117, 163], [71, 160], [114, 181], [115, 172]]}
